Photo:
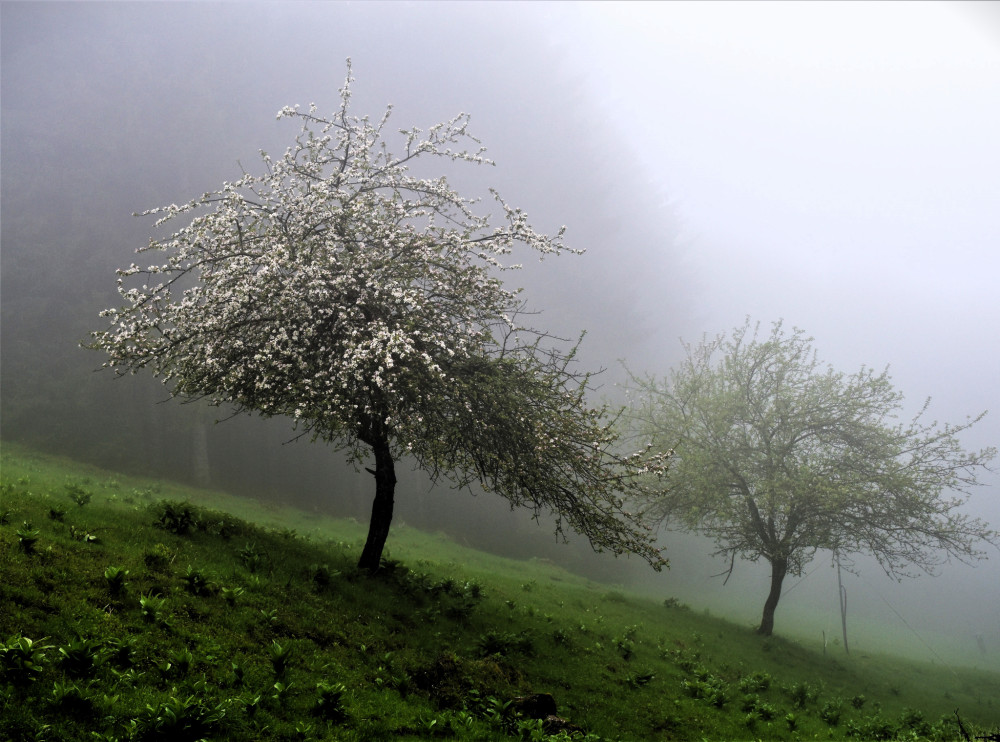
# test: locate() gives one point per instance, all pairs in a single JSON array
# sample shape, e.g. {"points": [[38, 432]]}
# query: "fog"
{"points": [[835, 165]]}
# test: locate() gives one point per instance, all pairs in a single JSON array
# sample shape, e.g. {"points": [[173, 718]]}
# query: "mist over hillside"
{"points": [[836, 167]]}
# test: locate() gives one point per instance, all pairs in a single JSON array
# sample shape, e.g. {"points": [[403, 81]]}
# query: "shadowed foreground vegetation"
{"points": [[137, 609]]}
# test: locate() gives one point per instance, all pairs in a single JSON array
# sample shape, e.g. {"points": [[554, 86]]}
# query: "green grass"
{"points": [[152, 611]]}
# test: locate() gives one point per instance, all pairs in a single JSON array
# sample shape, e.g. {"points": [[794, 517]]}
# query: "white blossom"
{"points": [[366, 304]]}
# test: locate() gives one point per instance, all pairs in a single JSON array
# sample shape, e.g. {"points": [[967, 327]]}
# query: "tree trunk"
{"points": [[201, 466], [378, 527], [843, 606], [779, 567]]}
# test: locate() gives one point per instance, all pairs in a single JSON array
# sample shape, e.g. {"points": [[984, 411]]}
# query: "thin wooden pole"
{"points": [[843, 604]]}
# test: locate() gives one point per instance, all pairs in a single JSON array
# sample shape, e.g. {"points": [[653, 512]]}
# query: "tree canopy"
{"points": [[776, 456], [367, 304]]}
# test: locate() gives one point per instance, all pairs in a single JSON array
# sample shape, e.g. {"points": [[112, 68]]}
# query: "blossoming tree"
{"points": [[367, 304], [777, 457]]}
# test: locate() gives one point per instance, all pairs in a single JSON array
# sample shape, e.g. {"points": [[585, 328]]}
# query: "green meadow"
{"points": [[140, 609]]}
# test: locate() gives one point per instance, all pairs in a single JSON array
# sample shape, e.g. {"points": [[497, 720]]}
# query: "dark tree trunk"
{"points": [[779, 567], [378, 527]]}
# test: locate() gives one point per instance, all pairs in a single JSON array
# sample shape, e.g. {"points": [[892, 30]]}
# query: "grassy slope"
{"points": [[433, 647]]}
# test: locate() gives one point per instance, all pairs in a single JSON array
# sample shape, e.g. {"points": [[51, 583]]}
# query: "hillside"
{"points": [[135, 609]]}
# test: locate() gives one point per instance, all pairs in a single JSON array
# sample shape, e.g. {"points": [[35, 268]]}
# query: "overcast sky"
{"points": [[833, 164], [836, 165]]}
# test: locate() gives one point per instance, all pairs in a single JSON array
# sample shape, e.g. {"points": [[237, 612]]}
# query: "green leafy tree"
{"points": [[367, 304], [776, 456]]}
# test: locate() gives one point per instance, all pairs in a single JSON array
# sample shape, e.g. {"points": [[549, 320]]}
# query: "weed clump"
{"points": [[251, 558], [711, 689], [152, 608], [179, 718], [756, 682], [321, 576], [280, 657], [330, 703], [116, 582], [179, 518], [871, 728], [158, 558], [231, 594], [802, 694], [22, 659], [196, 582], [759, 709], [831, 711], [500, 643], [81, 657], [913, 720], [78, 494], [27, 537], [178, 664], [120, 651], [73, 700]]}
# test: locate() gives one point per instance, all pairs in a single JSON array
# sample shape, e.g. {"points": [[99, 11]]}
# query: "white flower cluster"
{"points": [[363, 302]]}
